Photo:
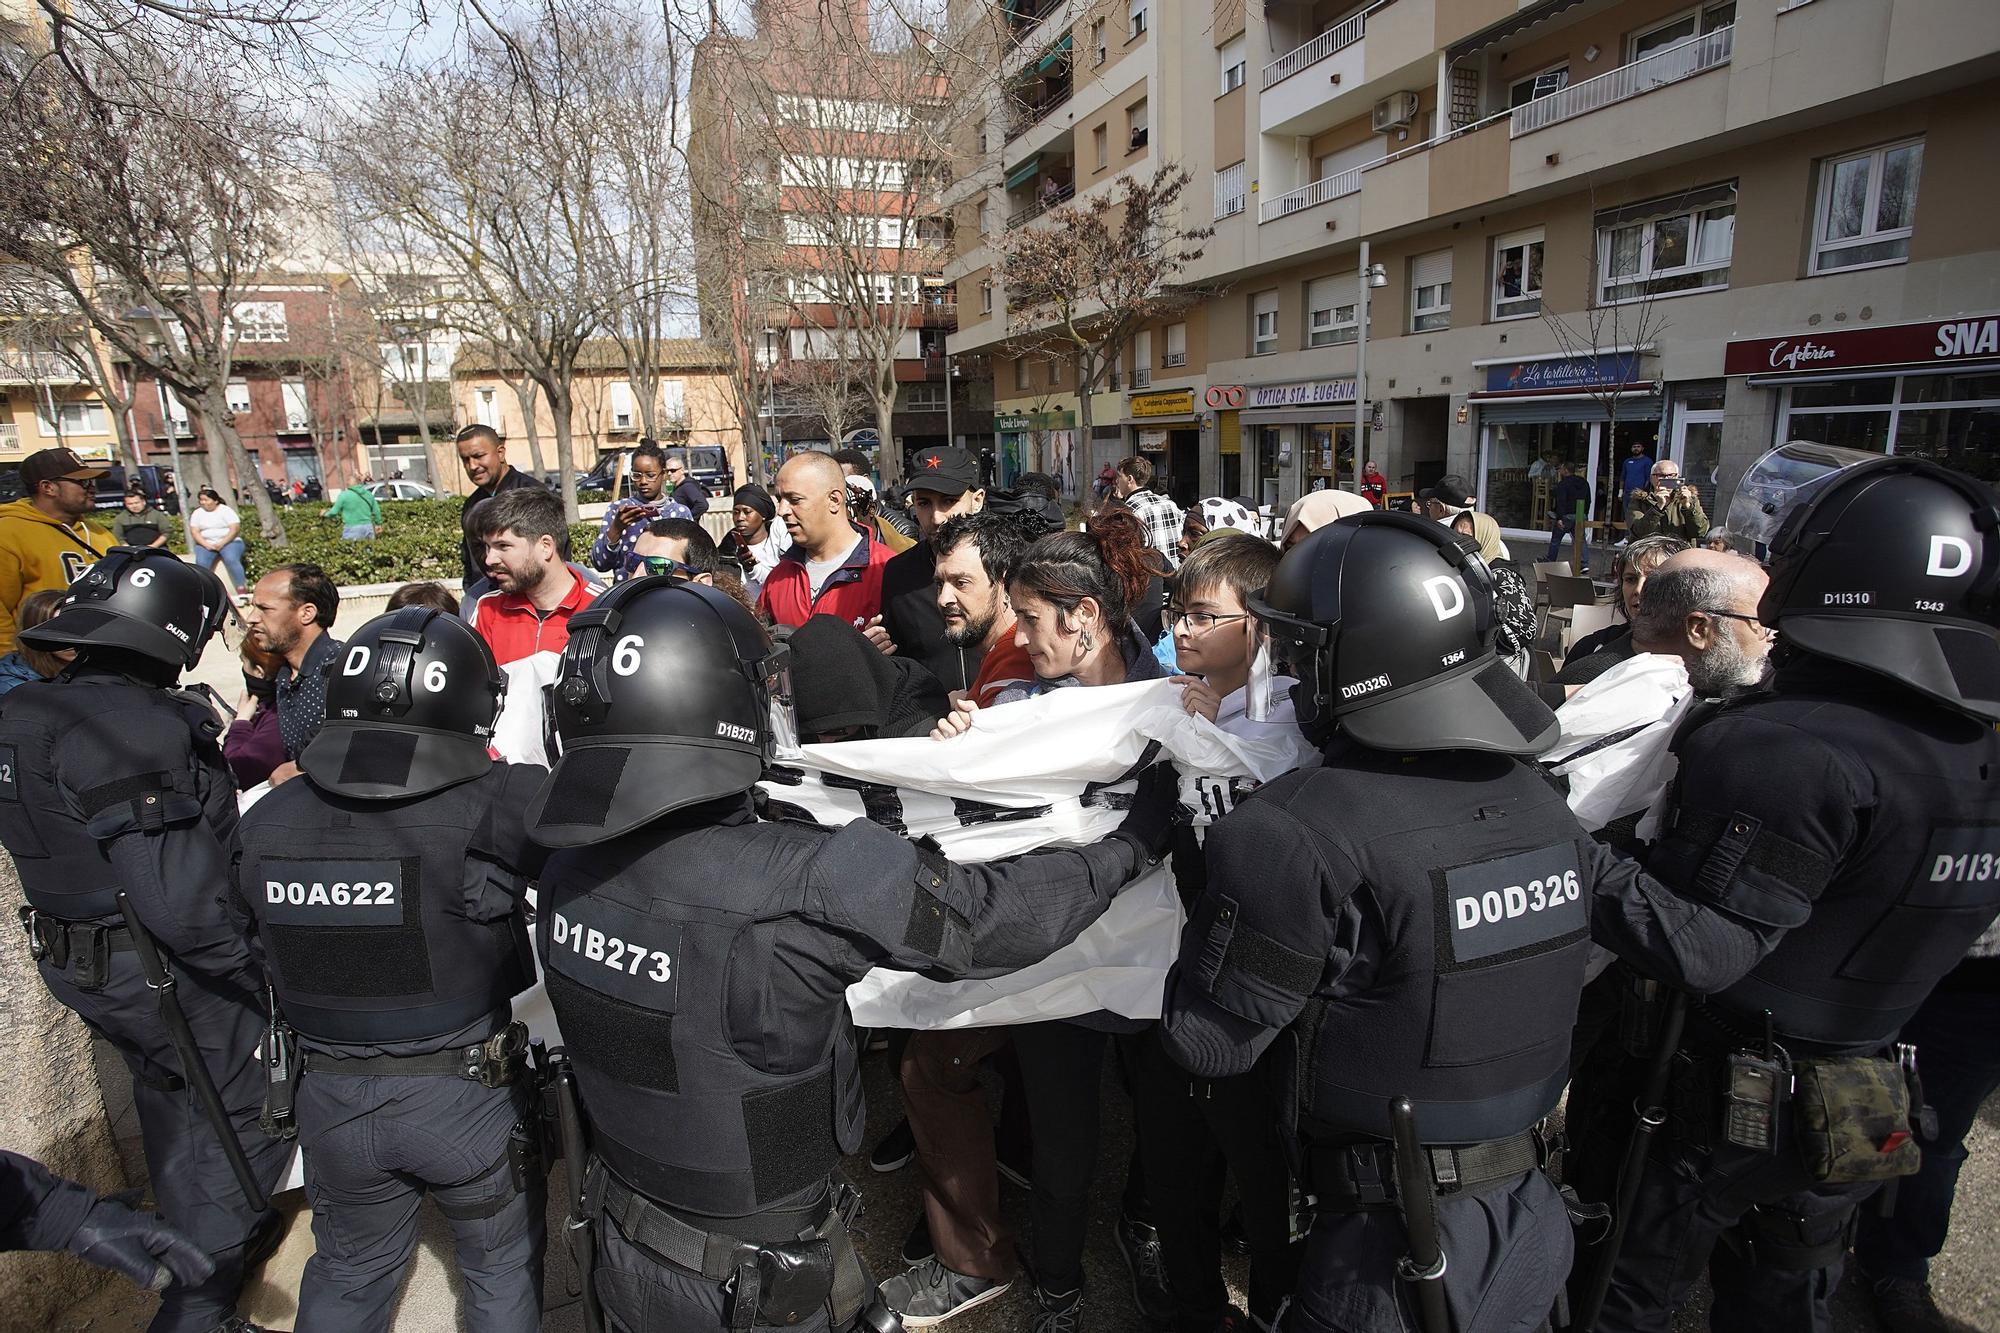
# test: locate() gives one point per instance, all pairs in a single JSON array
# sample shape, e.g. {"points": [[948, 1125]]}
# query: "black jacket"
{"points": [[910, 614]]}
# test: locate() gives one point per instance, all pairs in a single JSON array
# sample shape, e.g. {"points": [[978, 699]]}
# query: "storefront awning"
{"points": [[1636, 405], [1024, 173], [1055, 53], [1875, 373]]}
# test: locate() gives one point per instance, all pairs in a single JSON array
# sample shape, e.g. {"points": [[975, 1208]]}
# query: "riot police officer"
{"points": [[1844, 827], [1413, 916], [697, 954], [120, 815], [386, 889]]}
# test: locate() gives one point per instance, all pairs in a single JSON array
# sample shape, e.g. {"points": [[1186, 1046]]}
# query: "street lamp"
{"points": [[155, 342], [950, 374], [774, 441], [1371, 276]]}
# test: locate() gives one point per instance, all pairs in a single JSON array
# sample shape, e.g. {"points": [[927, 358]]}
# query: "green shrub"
{"points": [[418, 540]]}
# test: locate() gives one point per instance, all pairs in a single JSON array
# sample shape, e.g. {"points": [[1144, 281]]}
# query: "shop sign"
{"points": [[1171, 403], [1013, 423], [1561, 373], [1225, 395], [1302, 395], [1020, 421], [1976, 338], [1152, 441]]}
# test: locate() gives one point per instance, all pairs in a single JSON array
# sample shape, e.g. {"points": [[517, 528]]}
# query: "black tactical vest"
{"points": [[1473, 869], [648, 943], [361, 905], [64, 870], [1920, 883]]}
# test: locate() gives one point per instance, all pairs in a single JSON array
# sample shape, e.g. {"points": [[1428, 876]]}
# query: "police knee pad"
{"points": [[1776, 1238]]}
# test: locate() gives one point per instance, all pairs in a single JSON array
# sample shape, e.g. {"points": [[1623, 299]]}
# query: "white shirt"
{"points": [[764, 556], [210, 523]]}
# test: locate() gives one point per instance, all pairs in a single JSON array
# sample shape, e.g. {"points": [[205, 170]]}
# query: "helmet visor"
{"points": [[1783, 482], [1259, 697], [781, 714]]}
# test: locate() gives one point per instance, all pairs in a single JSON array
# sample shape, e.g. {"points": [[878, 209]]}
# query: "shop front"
{"points": [[1039, 441], [1226, 401], [1539, 413], [1165, 433], [1929, 389], [1304, 433]]}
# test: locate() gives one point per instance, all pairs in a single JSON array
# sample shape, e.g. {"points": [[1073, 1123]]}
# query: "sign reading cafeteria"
{"points": [[1949, 340], [1169, 403], [1302, 395]]}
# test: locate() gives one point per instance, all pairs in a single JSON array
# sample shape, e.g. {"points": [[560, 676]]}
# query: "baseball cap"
{"points": [[49, 464], [1451, 490], [948, 471]]}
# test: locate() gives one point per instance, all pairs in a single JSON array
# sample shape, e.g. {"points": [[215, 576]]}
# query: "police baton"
{"points": [[569, 1124], [1416, 1195], [161, 982], [1652, 1116]]}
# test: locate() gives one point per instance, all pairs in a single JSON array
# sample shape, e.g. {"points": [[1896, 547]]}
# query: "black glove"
{"points": [[139, 1246], [1149, 824]]}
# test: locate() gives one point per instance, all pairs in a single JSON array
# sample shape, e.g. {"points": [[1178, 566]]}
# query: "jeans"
{"points": [[1564, 527], [231, 555], [358, 532]]}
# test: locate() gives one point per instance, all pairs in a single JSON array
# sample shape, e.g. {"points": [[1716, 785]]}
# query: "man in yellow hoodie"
{"points": [[44, 542]]}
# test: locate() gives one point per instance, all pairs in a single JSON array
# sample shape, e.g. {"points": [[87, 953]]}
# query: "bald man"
{"points": [[1705, 610], [834, 566]]}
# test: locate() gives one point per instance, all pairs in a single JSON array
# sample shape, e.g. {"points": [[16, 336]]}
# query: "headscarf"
{"points": [[757, 498], [1315, 509], [1217, 512], [1486, 532]]}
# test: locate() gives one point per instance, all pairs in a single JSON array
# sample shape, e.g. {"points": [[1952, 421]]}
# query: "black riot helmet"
{"points": [[139, 599], [1387, 621], [670, 693], [1893, 565], [410, 706]]}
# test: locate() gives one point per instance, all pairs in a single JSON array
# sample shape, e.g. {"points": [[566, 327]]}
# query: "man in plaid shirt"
{"points": [[1161, 516]]}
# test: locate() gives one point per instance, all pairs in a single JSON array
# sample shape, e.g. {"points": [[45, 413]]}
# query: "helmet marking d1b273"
{"points": [[140, 599], [669, 694], [1388, 623]]}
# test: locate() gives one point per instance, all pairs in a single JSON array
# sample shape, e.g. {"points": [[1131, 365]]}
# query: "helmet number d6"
{"points": [[434, 677], [141, 577], [625, 657]]}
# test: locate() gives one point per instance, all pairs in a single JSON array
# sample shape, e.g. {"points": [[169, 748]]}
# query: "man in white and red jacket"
{"points": [[525, 618], [833, 567]]}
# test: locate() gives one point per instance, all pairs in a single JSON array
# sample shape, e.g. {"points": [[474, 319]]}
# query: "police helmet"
{"points": [[1387, 621], [410, 706], [1893, 565], [141, 599], [669, 693]]}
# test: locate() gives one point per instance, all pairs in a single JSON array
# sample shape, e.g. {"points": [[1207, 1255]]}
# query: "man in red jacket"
{"points": [[833, 567]]}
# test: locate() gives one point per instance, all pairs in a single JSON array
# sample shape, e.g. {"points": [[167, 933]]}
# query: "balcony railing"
{"points": [[1670, 65], [1319, 48], [10, 435], [1309, 196], [1032, 114], [1049, 199]]}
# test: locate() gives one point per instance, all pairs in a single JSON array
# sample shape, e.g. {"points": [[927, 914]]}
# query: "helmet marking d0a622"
{"points": [[669, 694], [1387, 621], [138, 599]]}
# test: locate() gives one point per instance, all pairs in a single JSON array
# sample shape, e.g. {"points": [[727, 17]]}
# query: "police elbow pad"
{"points": [[1243, 970], [1735, 863], [147, 804], [935, 933]]}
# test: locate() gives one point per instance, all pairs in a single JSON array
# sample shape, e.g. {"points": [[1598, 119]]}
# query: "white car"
{"points": [[401, 490]]}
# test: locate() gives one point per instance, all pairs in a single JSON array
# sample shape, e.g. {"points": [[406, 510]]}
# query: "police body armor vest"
{"points": [[1484, 891], [64, 870], [1917, 888], [361, 905], [647, 943]]}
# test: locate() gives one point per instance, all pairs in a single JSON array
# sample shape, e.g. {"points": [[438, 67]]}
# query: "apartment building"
{"points": [[1591, 224]]}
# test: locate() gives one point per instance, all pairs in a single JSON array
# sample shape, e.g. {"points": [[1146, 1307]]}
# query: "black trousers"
{"points": [[1197, 1132]]}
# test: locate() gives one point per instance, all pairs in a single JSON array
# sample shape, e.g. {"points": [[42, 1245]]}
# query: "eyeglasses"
{"points": [[1749, 620], [1201, 622], [675, 471]]}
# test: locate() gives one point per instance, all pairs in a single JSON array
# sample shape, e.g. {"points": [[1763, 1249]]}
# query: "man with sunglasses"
{"points": [[44, 542], [1666, 507], [675, 546], [683, 488]]}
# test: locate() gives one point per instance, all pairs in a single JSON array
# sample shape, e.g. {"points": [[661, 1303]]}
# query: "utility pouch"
{"points": [[1851, 1117], [524, 1152], [89, 957], [281, 1068], [793, 1282], [1641, 1003], [499, 1060]]}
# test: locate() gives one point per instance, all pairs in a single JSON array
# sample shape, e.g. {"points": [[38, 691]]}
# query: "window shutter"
{"points": [[1431, 270]]}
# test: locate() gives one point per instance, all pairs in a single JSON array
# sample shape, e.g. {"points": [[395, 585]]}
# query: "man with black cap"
{"points": [[120, 815], [944, 483], [1414, 915], [1447, 498], [386, 893], [44, 542], [698, 945]]}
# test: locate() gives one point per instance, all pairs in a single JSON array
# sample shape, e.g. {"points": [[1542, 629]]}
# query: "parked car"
{"points": [[401, 490]]}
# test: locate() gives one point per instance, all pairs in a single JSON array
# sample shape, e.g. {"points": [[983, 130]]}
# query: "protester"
{"points": [[291, 614], [1666, 507], [359, 512], [1212, 514], [484, 456], [1447, 497], [1314, 510], [218, 535], [525, 617], [625, 519], [1513, 605], [44, 542], [1569, 492], [752, 544], [24, 663], [432, 594], [943, 486], [678, 546], [1159, 516], [688, 493], [138, 522], [833, 565], [254, 746], [865, 507], [1634, 562], [845, 690], [976, 556], [1718, 539]]}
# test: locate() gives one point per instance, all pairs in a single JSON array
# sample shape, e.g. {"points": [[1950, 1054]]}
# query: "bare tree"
{"points": [[1083, 278], [45, 342]]}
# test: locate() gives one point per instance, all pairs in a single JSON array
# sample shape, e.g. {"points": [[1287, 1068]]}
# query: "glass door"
{"points": [[1697, 447]]}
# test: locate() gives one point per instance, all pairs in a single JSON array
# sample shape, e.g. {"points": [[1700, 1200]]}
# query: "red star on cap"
{"points": [[932, 461]]}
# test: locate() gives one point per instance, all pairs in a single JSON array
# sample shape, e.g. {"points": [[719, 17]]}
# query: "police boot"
{"points": [[238, 1324]]}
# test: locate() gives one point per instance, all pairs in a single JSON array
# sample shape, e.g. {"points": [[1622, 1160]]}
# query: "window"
{"points": [[1330, 306], [1023, 374], [673, 406], [487, 411], [1135, 26], [985, 219], [1176, 346], [1230, 56], [924, 398], [1142, 359], [1867, 202], [1679, 28], [1100, 141], [1055, 372], [1097, 41], [1537, 86], [1229, 192], [298, 408], [1430, 291], [1666, 248], [1263, 323], [1135, 119], [985, 298], [177, 412], [1517, 275], [259, 321], [624, 411], [85, 418], [237, 396]]}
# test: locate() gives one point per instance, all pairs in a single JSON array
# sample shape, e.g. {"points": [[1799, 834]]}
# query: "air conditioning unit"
{"points": [[1396, 111]]}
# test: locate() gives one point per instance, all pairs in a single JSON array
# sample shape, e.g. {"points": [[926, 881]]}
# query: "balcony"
{"points": [[1337, 75], [1337, 38], [1460, 169], [1683, 60], [1048, 199], [1028, 114], [1310, 196]]}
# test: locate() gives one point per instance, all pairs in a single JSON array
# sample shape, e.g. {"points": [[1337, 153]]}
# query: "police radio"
{"points": [[1756, 1086]]}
